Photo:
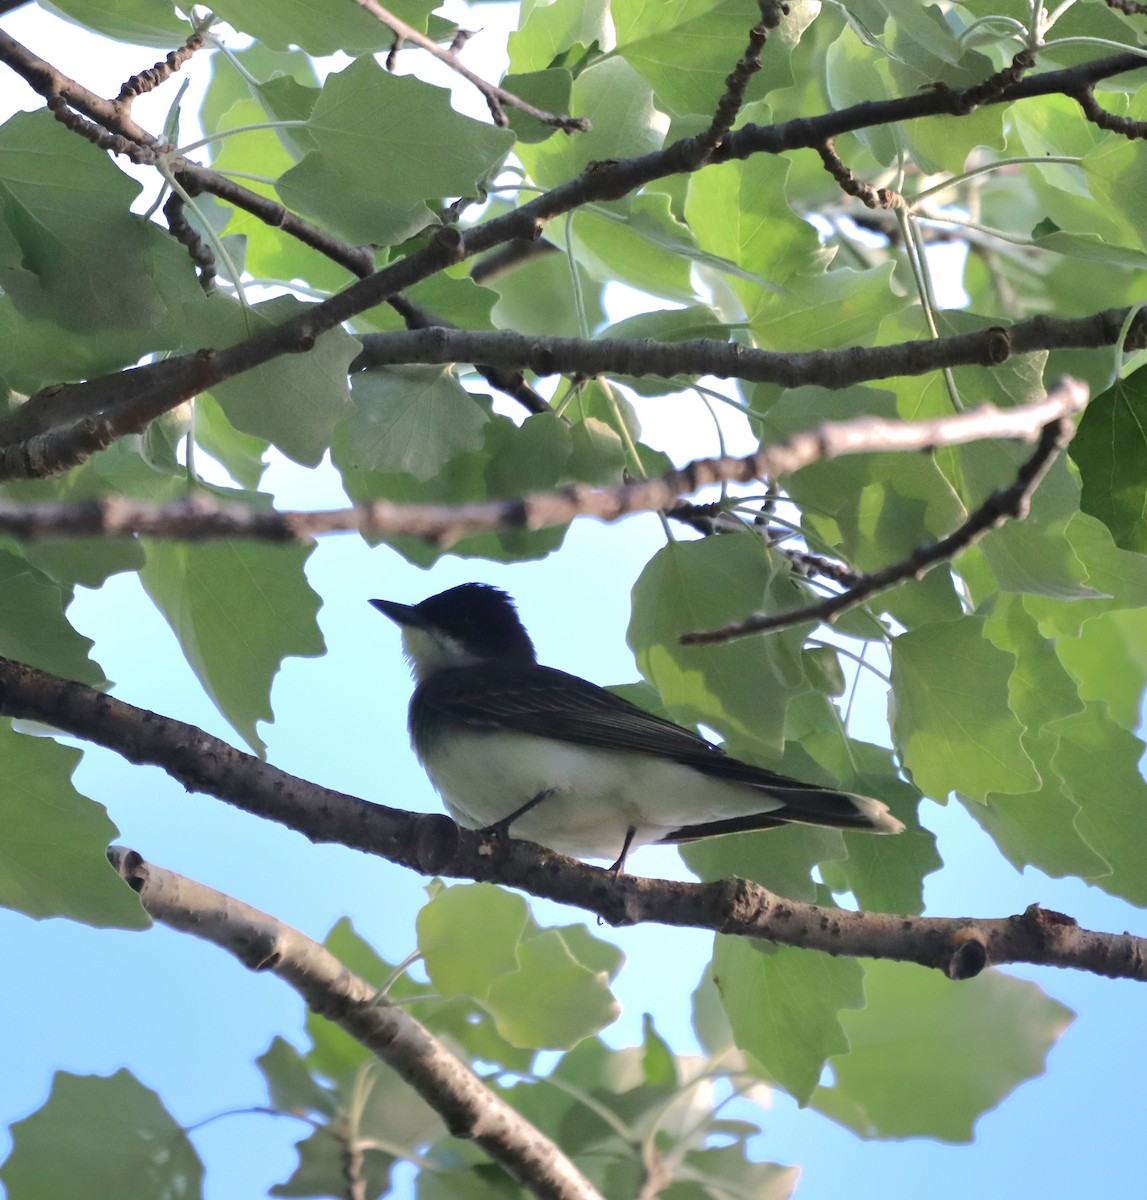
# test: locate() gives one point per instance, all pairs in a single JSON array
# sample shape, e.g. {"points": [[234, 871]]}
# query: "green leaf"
{"points": [[389, 146], [290, 1085], [742, 688], [60, 210], [658, 1063], [140, 22], [53, 840], [728, 1171], [603, 958], [670, 325], [950, 712], [238, 609], [780, 859], [547, 31], [413, 420], [33, 625], [1109, 662], [740, 212], [537, 297], [885, 874], [467, 477], [294, 401], [1032, 555], [1099, 764], [551, 1000], [929, 1056], [321, 1170], [784, 1005], [625, 124], [300, 23], [103, 1137], [639, 249], [120, 470], [546, 90], [1039, 827], [240, 453], [1110, 450], [469, 935], [1117, 174], [684, 51], [1091, 248]]}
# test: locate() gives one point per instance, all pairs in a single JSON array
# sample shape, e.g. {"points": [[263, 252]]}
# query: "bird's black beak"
{"points": [[406, 615]]}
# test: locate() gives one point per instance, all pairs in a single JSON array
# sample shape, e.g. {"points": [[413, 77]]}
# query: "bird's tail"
{"points": [[803, 805]]}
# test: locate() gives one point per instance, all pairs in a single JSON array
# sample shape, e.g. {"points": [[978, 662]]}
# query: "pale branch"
{"points": [[434, 845], [600, 181], [989, 347], [468, 1108], [1010, 503], [199, 516], [496, 97]]}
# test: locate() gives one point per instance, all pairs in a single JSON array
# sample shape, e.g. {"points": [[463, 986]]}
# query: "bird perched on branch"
{"points": [[522, 749]]}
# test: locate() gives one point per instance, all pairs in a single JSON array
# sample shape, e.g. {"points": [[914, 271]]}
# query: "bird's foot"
{"points": [[617, 866], [501, 829]]}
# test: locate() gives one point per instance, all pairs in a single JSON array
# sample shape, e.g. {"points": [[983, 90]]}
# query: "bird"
{"points": [[529, 751]]}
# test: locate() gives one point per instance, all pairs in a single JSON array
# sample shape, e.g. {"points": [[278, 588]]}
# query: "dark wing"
{"points": [[549, 703]]}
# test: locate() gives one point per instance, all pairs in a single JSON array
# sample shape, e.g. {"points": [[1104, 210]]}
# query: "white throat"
{"points": [[430, 652]]}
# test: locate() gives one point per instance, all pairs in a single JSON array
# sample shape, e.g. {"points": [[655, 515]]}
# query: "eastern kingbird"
{"points": [[509, 743]]}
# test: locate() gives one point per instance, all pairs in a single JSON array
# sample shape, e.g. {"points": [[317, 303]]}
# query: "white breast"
{"points": [[597, 795]]}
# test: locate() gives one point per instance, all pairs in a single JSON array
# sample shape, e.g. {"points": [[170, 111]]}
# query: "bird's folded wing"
{"points": [[548, 703]]}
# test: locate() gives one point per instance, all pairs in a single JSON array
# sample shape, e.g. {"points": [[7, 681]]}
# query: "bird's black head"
{"points": [[471, 623]]}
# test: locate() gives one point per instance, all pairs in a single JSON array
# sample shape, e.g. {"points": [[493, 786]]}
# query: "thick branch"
{"points": [[434, 845], [201, 517], [262, 943], [1011, 502]]}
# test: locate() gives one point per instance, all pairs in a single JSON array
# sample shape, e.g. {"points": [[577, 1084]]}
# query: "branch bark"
{"points": [[959, 946], [201, 517], [263, 943], [989, 347]]}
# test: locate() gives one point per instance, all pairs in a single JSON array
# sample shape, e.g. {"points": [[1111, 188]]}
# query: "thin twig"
{"points": [[495, 96], [737, 81], [150, 79], [262, 943], [1008, 503]]}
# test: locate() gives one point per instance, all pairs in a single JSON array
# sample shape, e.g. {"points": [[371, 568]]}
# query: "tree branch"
{"points": [[433, 844], [987, 347], [200, 517], [1010, 502], [601, 181], [262, 943]]}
